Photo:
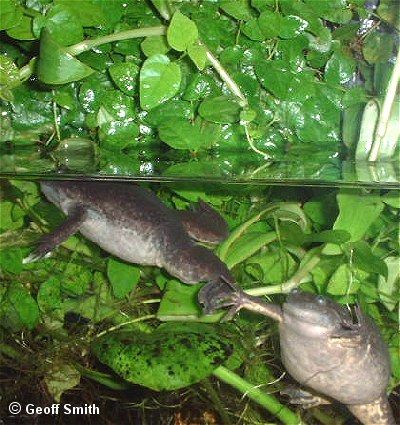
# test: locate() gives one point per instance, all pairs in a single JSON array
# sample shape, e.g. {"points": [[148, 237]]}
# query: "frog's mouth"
{"points": [[309, 313]]}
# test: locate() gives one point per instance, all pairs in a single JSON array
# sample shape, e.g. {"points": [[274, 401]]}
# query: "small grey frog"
{"points": [[131, 223], [323, 349]]}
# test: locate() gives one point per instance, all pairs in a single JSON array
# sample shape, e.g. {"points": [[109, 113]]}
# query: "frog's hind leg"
{"points": [[378, 412], [203, 223], [51, 240]]}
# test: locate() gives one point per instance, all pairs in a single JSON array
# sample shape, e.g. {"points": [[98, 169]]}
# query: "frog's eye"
{"points": [[321, 300]]}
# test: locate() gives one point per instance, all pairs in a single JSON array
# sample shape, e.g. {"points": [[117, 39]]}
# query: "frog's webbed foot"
{"points": [[303, 397], [203, 223], [216, 295], [222, 294], [51, 240]]}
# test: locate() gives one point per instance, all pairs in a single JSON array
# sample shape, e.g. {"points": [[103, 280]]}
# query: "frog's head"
{"points": [[312, 314]]}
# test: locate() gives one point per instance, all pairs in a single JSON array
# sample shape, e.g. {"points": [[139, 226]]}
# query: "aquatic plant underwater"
{"points": [[295, 100]]}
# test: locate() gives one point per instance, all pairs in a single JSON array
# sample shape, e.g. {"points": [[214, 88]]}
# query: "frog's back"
{"points": [[116, 201], [124, 219]]}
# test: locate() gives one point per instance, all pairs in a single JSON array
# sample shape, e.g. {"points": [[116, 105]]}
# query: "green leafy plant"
{"points": [[343, 243], [272, 77]]}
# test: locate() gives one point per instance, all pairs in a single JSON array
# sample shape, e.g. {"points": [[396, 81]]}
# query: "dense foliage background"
{"points": [[190, 88], [343, 243], [285, 79]]}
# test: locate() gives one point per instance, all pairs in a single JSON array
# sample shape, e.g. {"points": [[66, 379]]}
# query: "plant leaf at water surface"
{"points": [[159, 81], [182, 32], [56, 66], [293, 70]]}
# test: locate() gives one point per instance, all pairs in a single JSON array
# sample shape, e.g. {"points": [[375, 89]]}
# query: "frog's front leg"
{"points": [[303, 397], [50, 241], [214, 296]]}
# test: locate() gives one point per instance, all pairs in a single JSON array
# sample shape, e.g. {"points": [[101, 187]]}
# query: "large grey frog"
{"points": [[131, 223], [323, 349]]}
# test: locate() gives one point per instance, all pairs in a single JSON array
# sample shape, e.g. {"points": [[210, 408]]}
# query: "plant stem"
{"points": [[27, 70], [386, 108], [267, 401], [86, 45], [289, 285], [216, 400], [121, 325], [233, 87]]}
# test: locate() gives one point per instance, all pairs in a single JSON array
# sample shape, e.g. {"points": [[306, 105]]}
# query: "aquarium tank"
{"points": [[281, 115]]}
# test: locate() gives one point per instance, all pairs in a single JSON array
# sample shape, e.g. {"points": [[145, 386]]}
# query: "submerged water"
{"points": [[340, 216]]}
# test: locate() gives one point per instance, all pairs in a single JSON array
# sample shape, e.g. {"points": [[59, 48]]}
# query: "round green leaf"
{"points": [[320, 42], [11, 260], [90, 12], [239, 9], [180, 134], [159, 81], [56, 66], [277, 77], [221, 109], [60, 378], [49, 294], [91, 91], [270, 24], [198, 54], [378, 47], [63, 26], [22, 31], [24, 305], [118, 133], [292, 26], [169, 110], [253, 31], [340, 68], [10, 14], [154, 45], [117, 105], [9, 72], [123, 277], [182, 32], [125, 76], [173, 356]]}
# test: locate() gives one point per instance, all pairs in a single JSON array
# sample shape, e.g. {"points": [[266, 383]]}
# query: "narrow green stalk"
{"points": [[267, 401], [289, 285], [121, 325], [386, 108], [86, 45], [26, 71], [233, 87], [102, 378], [216, 400]]}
